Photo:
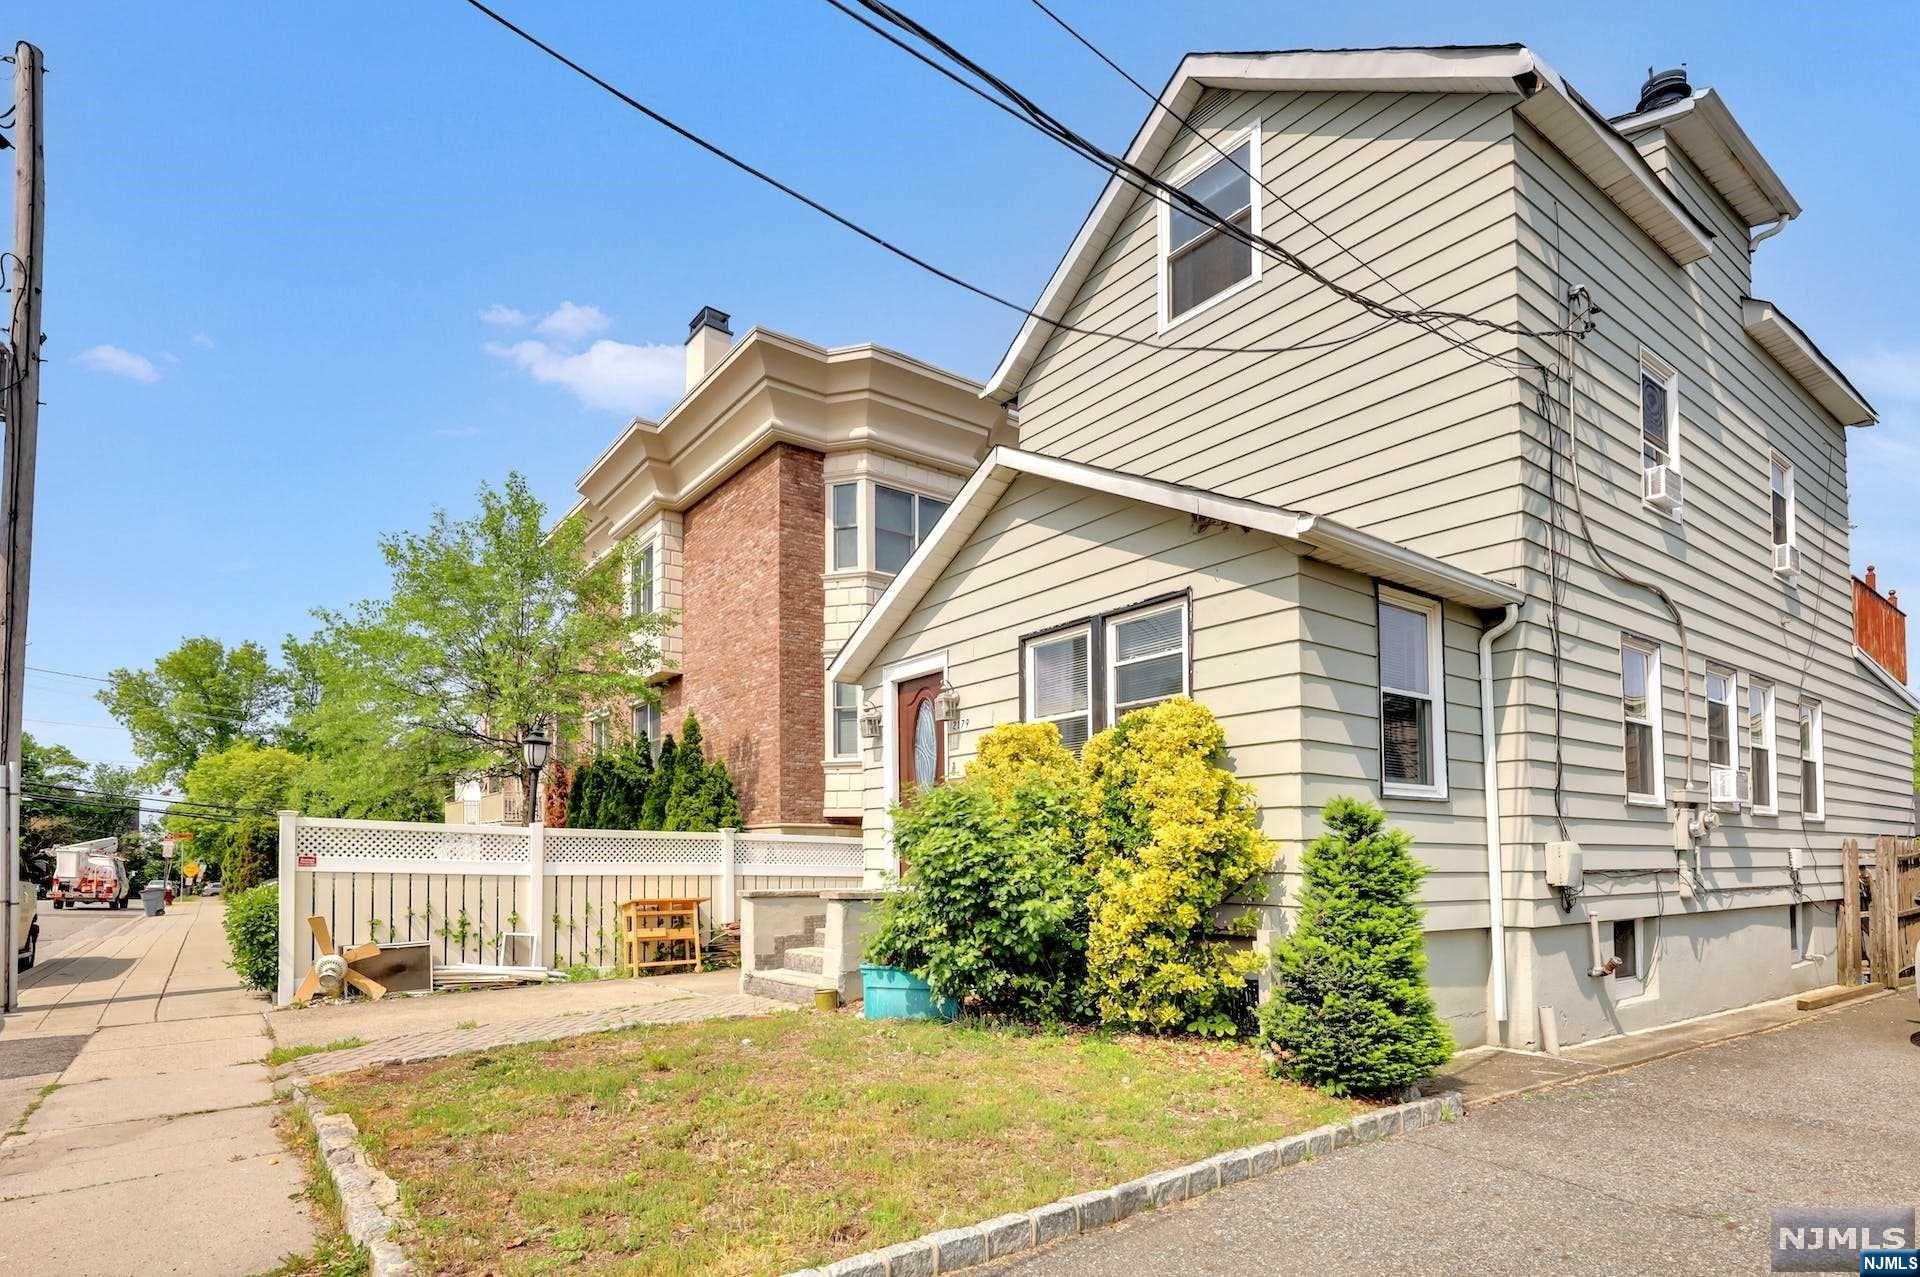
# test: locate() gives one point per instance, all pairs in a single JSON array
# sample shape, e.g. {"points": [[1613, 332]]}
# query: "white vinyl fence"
{"points": [[463, 889]]}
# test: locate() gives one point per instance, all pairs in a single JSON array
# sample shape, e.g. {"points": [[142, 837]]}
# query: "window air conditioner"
{"points": [[1731, 786], [1786, 559], [1664, 489]]}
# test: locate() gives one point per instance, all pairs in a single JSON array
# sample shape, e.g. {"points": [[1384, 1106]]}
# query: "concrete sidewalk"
{"points": [[161, 1126]]}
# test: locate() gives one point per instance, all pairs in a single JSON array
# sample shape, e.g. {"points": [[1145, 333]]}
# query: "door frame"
{"points": [[890, 679]]}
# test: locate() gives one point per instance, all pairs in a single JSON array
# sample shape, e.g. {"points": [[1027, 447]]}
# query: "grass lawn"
{"points": [[764, 1145]]}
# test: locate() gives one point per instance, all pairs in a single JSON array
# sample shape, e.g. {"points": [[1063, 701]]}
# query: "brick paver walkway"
{"points": [[433, 1044]]}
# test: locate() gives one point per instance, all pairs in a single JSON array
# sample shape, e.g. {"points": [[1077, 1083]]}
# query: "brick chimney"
{"points": [[1879, 626], [708, 341]]}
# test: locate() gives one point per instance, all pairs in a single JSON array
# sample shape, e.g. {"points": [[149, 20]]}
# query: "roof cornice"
{"points": [[1722, 151], [1795, 352]]}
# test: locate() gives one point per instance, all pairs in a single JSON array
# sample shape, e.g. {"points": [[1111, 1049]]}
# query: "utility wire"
{"points": [[873, 237], [128, 804], [225, 808]]}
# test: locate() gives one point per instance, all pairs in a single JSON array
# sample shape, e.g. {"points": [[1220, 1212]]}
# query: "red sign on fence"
{"points": [[307, 860]]}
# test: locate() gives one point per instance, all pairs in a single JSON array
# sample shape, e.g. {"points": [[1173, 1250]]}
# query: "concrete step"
{"points": [[812, 959], [785, 985]]}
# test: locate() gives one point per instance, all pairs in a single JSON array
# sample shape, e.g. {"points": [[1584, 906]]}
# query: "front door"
{"points": [[921, 747]]}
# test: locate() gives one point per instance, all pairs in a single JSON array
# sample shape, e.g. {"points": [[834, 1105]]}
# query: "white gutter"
{"points": [[1769, 233], [1490, 783]]}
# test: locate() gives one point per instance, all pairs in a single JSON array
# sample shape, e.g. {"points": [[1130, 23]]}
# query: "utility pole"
{"points": [[21, 403]]}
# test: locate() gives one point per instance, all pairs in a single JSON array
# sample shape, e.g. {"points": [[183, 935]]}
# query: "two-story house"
{"points": [[764, 512], [1497, 497]]}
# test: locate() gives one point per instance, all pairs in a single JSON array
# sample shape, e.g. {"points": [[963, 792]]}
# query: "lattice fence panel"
{"points": [[763, 854], [591, 847], [341, 846]]}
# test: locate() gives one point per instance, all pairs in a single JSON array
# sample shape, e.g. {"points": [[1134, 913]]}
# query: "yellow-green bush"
{"points": [[1171, 837]]}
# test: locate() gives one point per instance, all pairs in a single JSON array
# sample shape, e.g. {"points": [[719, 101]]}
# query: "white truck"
{"points": [[89, 873]]}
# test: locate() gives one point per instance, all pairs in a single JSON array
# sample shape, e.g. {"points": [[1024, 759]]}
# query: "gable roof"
{"points": [[1795, 352], [1706, 130], [1547, 102], [1901, 692], [1307, 534]]}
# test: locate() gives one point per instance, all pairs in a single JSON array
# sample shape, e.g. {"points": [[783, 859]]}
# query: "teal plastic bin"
{"points": [[892, 994]]}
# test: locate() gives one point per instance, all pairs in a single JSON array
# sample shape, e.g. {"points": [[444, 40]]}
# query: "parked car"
{"points": [[28, 948], [211, 889]]}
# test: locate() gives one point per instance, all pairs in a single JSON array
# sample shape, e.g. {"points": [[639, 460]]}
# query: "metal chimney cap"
{"points": [[709, 318], [1664, 88]]}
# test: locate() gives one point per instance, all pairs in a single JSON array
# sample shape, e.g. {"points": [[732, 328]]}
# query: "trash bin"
{"points": [[153, 897]]}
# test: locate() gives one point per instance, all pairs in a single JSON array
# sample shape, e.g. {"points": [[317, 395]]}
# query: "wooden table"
{"points": [[660, 935]]}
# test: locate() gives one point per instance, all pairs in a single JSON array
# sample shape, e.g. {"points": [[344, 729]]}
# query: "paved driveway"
{"points": [[1670, 1167]]}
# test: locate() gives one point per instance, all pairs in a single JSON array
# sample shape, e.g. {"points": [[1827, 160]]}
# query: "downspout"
{"points": [[1490, 783], [1770, 232]]}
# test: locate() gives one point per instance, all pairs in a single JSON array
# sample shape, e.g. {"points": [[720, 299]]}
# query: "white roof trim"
{"points": [[1549, 104], [1320, 538], [1714, 140], [1885, 676], [1781, 338]]}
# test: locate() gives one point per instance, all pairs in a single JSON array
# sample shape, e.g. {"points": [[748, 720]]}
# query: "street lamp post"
{"points": [[534, 747]]}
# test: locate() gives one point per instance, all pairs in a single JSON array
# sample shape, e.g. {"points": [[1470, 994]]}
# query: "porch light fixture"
{"points": [[870, 721], [946, 706]]}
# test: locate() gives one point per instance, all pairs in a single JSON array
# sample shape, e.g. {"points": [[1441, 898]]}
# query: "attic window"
{"points": [[1204, 261]]}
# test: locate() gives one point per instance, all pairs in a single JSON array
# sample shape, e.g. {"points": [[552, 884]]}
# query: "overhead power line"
{"points": [[135, 805], [872, 237]]}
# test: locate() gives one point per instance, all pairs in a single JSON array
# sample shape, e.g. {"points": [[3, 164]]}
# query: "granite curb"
{"points": [[953, 1249], [369, 1201]]}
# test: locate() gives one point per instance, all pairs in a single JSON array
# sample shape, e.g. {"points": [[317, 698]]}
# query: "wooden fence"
{"points": [[1879, 911], [465, 889]]}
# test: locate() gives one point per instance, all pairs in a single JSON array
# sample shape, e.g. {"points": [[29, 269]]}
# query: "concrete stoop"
{"points": [[783, 984]]}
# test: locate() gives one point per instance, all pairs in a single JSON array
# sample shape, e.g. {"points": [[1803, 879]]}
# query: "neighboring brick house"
{"points": [[766, 511]]}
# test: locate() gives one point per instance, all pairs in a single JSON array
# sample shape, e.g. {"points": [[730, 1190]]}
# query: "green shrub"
{"points": [[1172, 837], [253, 933], [992, 910], [653, 812], [1351, 1012]]}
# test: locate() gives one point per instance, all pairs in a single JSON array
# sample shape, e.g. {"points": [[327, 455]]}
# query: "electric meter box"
{"points": [[1565, 864]]}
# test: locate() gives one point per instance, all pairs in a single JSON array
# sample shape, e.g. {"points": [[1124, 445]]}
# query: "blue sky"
{"points": [[313, 270]]}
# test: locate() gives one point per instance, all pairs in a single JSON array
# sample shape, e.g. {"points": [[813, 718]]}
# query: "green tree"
{"points": [[1351, 1012], [689, 779], [199, 698], [494, 625], [66, 800], [653, 814], [623, 805], [239, 789]]}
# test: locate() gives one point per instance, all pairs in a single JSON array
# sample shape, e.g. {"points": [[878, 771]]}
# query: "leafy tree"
{"points": [[494, 625], [653, 814], [362, 766], [1351, 1012], [57, 807], [199, 698], [556, 787], [242, 787]]}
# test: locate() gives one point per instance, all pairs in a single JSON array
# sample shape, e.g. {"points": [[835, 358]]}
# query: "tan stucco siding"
{"points": [[1736, 408], [1397, 432]]}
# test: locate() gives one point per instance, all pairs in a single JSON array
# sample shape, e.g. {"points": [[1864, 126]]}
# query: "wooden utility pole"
{"points": [[21, 403]]}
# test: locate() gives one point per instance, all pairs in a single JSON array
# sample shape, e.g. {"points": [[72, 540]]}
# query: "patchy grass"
{"points": [[287, 1054], [34, 1107], [779, 1143], [334, 1254]]}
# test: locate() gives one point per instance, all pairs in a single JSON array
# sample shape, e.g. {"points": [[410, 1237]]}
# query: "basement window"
{"points": [[1629, 978], [1798, 931], [1203, 261]]}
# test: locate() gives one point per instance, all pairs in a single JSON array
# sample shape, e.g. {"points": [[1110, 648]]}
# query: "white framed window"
{"points": [[1813, 763], [1659, 413], [843, 527], [641, 596], [597, 733], [1413, 719], [1059, 683], [1761, 735], [1643, 758], [1782, 509], [646, 724], [901, 521], [843, 726], [1628, 948], [1720, 747], [1146, 658], [1202, 263]]}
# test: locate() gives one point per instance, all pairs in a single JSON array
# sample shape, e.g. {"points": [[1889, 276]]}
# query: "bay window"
{"points": [[844, 737], [1412, 713], [843, 535], [901, 521]]}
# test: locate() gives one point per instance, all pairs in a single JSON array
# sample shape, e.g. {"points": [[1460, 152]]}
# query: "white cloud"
{"points": [[457, 432], [569, 322], [611, 375], [503, 316], [116, 362], [202, 340]]}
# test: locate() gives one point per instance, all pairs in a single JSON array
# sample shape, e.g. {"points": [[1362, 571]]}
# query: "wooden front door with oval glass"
{"points": [[921, 749]]}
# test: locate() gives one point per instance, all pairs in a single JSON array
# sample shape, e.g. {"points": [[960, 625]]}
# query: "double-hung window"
{"points": [[1413, 728], [646, 724], [1720, 750], [1781, 503], [640, 573], [1813, 764], [901, 521], [843, 532], [844, 738], [1146, 658], [1760, 732], [1203, 259], [597, 733], [1659, 414], [1059, 679], [1644, 760]]}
